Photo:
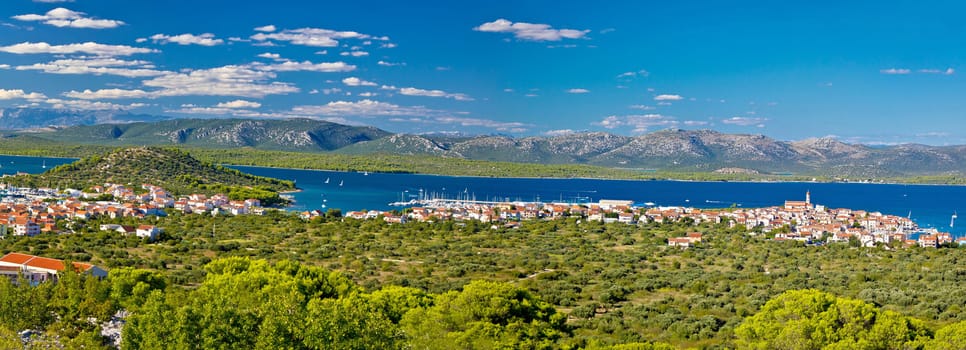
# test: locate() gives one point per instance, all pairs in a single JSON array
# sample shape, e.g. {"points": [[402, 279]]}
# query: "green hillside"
{"points": [[172, 169]]}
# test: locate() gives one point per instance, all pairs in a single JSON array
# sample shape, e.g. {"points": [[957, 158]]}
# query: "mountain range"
{"points": [[666, 150]]}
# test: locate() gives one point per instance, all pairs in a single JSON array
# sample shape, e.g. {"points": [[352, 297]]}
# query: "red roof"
{"points": [[41, 262], [16, 258]]}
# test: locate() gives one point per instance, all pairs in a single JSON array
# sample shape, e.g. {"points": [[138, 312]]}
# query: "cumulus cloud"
{"points": [[205, 39], [746, 121], [485, 123], [577, 91], [108, 94], [362, 108], [411, 91], [315, 37], [239, 104], [530, 31], [267, 29], [292, 66], [354, 53], [250, 81], [87, 47], [353, 81], [91, 105], [561, 132], [62, 17], [895, 71], [97, 66], [272, 56], [20, 94], [668, 97], [638, 123]]}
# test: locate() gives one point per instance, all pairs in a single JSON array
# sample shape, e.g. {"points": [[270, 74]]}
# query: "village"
{"points": [[29, 212], [795, 220]]}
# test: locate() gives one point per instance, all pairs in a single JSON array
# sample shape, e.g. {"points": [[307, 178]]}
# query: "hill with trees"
{"points": [[172, 169]]}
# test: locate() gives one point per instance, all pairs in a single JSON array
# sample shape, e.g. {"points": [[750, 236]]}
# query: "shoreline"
{"points": [[765, 181], [553, 178]]}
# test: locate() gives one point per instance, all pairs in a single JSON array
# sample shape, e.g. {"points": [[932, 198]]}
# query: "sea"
{"points": [[930, 206]]}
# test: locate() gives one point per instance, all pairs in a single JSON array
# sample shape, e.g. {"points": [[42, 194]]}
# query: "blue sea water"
{"points": [[928, 205]]}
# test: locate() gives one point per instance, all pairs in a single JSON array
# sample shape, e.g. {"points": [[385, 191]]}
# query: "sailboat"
{"points": [[326, 180], [340, 183], [44, 165], [365, 173], [953, 219]]}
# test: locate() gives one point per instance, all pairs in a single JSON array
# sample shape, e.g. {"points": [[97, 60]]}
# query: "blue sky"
{"points": [[880, 73]]}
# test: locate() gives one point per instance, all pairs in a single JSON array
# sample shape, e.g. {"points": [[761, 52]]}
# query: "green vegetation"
{"points": [[555, 284], [172, 169]]}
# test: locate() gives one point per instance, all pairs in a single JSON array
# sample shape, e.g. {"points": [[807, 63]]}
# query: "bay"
{"points": [[930, 206]]}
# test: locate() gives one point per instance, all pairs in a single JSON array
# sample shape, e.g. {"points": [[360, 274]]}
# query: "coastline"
{"points": [[598, 178]]}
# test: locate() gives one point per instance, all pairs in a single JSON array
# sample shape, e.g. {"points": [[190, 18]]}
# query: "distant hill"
{"points": [[172, 169], [268, 134], [688, 150], [35, 118], [666, 150]]}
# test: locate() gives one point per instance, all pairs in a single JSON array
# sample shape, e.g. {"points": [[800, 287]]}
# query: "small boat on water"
{"points": [[340, 183]]}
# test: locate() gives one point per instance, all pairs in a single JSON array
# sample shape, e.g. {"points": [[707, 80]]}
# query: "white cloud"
{"points": [[239, 104], [746, 121], [561, 132], [637, 123], [97, 66], [268, 29], [947, 71], [272, 56], [315, 37], [4, 66], [88, 47], [331, 91], [292, 66], [90, 105], [368, 94], [62, 17], [353, 81], [668, 97], [20, 94], [641, 107], [577, 91], [530, 31], [244, 81], [895, 71], [410, 91], [630, 75], [205, 39], [105, 94], [390, 64], [354, 53], [695, 123], [362, 108], [486, 123]]}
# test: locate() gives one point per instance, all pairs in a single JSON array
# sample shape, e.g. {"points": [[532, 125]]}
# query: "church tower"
{"points": [[808, 197]]}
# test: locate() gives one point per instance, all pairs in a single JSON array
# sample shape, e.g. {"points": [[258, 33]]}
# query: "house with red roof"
{"points": [[38, 269]]}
